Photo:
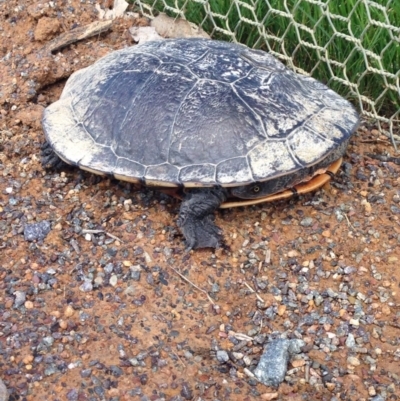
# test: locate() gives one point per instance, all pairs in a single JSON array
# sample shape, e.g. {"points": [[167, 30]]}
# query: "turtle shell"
{"points": [[197, 113]]}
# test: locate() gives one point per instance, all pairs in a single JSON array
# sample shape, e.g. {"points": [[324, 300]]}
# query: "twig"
{"points": [[179, 358], [243, 337], [307, 373], [348, 221], [194, 285], [113, 237], [253, 291], [77, 34], [377, 140]]}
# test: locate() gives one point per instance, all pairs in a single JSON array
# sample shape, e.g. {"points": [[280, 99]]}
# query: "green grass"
{"points": [[333, 36]]}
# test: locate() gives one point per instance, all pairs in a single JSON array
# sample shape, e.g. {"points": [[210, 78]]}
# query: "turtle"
{"points": [[215, 123]]}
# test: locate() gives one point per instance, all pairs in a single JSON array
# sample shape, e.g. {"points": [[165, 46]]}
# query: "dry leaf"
{"points": [[141, 34], [169, 27]]}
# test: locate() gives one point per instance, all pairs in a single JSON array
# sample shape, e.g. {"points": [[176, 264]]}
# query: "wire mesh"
{"points": [[354, 46]]}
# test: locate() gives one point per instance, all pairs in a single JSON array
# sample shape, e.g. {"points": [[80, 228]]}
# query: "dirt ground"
{"points": [[104, 314]]}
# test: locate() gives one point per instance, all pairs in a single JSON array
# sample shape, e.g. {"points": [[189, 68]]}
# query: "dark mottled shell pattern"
{"points": [[197, 113]]}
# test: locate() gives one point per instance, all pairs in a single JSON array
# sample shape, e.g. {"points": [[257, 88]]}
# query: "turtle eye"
{"points": [[256, 189]]}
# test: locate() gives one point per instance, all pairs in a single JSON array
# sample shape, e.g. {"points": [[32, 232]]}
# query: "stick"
{"points": [[194, 285], [77, 34], [253, 291]]}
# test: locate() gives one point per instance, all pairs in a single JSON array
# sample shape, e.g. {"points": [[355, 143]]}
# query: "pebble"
{"points": [[271, 368], [307, 222], [350, 341], [352, 360], [222, 356], [69, 311], [281, 310], [86, 286], [3, 392], [297, 363], [36, 231], [269, 396], [20, 298], [28, 305], [113, 280], [377, 398]]}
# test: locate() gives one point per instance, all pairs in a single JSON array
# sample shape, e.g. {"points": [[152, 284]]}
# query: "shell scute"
{"points": [[164, 172], [191, 174], [234, 170], [281, 102], [278, 161], [210, 117], [308, 147], [230, 68]]}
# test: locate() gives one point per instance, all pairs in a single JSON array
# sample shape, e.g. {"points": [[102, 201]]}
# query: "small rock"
{"points": [[367, 206], [281, 310], [29, 305], [20, 298], [48, 341], [307, 222], [130, 290], [116, 371], [298, 363], [272, 366], [113, 280], [377, 398], [3, 392], [269, 396], [86, 373], [87, 286], [222, 356], [69, 311], [72, 395], [36, 231], [352, 360], [350, 341], [215, 288], [349, 270], [46, 28]]}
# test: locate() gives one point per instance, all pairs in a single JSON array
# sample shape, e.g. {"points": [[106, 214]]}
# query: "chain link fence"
{"points": [[353, 46]]}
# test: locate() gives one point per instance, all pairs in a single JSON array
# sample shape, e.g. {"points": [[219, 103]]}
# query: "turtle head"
{"points": [[255, 190], [258, 190]]}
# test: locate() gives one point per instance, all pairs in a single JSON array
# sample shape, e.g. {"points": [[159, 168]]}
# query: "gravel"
{"points": [[94, 308]]}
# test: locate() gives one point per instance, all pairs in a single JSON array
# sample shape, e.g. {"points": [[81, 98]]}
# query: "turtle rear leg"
{"points": [[196, 218], [49, 159]]}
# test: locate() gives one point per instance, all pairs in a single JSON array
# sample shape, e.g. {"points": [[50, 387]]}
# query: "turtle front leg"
{"points": [[49, 159], [196, 217]]}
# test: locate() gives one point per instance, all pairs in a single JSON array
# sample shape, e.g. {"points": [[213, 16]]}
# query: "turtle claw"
{"points": [[196, 218], [200, 233], [49, 159]]}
